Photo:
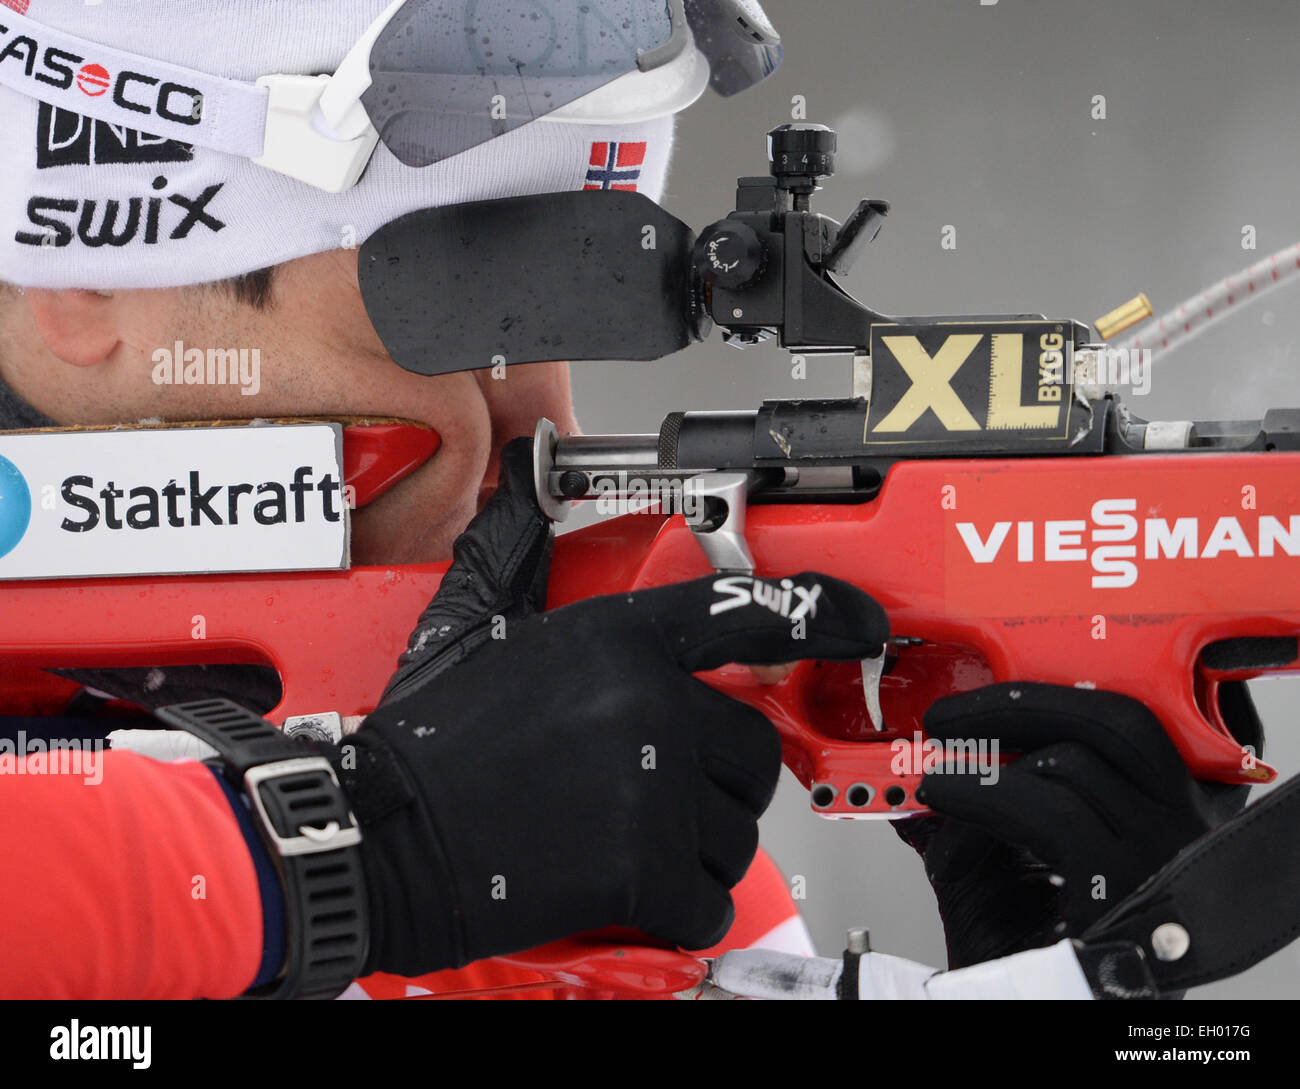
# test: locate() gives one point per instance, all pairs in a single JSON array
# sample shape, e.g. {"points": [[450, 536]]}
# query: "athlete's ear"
{"points": [[79, 327]]}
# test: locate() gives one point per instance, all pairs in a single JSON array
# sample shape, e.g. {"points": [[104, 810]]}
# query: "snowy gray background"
{"points": [[981, 117]]}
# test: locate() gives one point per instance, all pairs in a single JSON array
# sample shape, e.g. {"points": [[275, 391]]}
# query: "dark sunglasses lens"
{"points": [[741, 44], [448, 75]]}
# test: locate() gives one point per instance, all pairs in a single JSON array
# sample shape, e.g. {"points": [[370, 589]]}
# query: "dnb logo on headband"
{"points": [[64, 138]]}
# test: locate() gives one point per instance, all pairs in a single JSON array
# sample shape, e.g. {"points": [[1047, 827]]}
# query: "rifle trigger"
{"points": [[872, 670]]}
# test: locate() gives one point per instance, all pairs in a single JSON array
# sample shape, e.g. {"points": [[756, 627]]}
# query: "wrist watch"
{"points": [[310, 833]]}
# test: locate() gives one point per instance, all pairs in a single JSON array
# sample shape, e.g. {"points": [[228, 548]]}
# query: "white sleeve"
{"points": [[1051, 973]]}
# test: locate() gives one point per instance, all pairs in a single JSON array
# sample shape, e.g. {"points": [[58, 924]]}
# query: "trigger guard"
{"points": [[1210, 705]]}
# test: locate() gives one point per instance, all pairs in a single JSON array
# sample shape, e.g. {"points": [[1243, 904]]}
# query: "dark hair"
{"points": [[253, 288], [256, 289]]}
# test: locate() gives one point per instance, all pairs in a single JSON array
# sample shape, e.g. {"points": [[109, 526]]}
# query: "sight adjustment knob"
{"points": [[800, 155], [730, 255]]}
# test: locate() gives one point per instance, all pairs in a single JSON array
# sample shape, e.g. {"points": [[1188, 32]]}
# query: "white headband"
{"points": [[94, 203]]}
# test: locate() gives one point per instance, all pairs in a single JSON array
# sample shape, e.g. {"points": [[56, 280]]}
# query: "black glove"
{"points": [[572, 775], [1099, 802]]}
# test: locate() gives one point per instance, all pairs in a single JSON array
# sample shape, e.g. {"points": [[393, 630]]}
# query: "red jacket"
{"points": [[141, 886]]}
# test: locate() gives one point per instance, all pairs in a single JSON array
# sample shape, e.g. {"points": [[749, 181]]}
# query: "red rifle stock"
{"points": [[1018, 615]]}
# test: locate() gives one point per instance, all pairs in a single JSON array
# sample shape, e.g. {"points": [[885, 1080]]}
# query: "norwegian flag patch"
{"points": [[615, 164]]}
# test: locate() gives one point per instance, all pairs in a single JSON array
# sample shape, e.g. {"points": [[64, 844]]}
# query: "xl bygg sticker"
{"points": [[953, 381], [172, 501]]}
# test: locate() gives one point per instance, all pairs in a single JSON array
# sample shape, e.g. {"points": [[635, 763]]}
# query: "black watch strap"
{"points": [[309, 830], [1223, 904]]}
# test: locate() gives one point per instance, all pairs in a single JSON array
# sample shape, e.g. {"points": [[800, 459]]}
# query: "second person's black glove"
{"points": [[1099, 801]]}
